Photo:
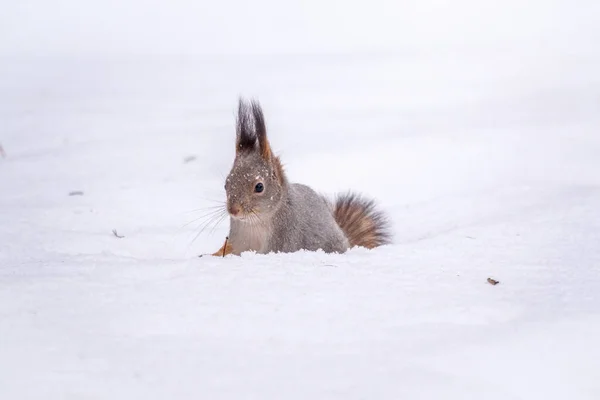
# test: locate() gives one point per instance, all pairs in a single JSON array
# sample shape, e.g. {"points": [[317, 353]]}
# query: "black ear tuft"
{"points": [[259, 121], [251, 128], [260, 130], [245, 134]]}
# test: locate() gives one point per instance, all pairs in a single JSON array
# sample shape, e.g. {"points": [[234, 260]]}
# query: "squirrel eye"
{"points": [[259, 187]]}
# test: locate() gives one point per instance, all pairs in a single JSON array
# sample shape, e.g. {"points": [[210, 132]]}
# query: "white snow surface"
{"points": [[486, 158]]}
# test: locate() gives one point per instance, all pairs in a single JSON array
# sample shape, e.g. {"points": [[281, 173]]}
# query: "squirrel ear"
{"points": [[251, 128], [245, 136], [261, 131]]}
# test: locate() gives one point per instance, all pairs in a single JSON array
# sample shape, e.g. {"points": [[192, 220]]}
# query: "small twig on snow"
{"points": [[492, 281], [225, 245], [114, 231]]}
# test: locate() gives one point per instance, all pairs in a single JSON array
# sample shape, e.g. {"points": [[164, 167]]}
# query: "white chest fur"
{"points": [[248, 237]]}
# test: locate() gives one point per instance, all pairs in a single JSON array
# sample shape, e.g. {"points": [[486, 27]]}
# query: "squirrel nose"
{"points": [[234, 210]]}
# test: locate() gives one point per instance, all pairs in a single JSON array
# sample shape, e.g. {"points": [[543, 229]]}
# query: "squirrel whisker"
{"points": [[215, 220], [220, 206], [207, 215]]}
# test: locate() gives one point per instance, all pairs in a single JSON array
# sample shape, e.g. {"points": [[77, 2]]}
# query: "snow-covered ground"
{"points": [[487, 159]]}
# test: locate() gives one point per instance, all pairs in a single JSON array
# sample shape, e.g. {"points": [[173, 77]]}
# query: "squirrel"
{"points": [[270, 214]]}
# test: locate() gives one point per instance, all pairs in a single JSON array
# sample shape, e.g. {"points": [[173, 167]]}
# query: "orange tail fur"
{"points": [[361, 222]]}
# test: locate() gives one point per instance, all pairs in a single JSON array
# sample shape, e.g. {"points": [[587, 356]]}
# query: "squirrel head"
{"points": [[256, 183]]}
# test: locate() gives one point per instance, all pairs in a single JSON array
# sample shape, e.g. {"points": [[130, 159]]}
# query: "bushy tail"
{"points": [[360, 221]]}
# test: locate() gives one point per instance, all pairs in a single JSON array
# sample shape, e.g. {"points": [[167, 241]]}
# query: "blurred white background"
{"points": [[267, 26]]}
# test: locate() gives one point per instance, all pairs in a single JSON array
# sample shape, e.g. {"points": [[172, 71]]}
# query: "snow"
{"points": [[484, 152]]}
